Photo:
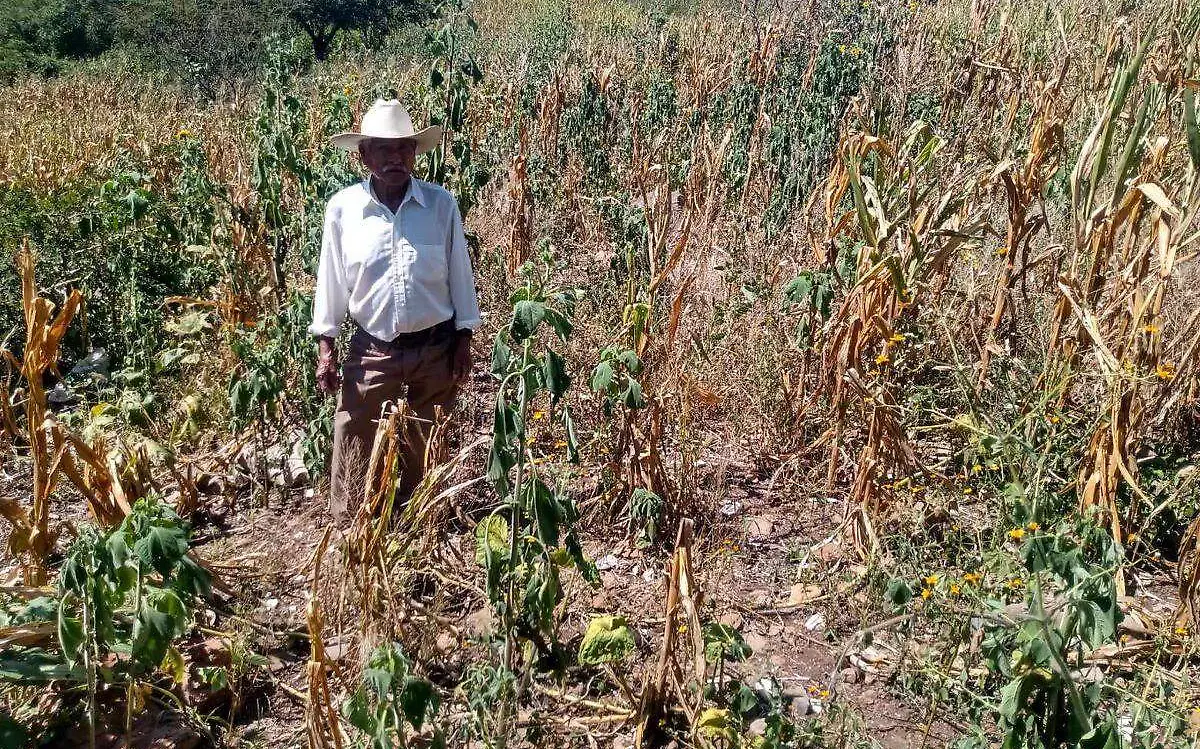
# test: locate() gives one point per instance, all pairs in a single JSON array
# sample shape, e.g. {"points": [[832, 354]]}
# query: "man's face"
{"points": [[391, 160]]}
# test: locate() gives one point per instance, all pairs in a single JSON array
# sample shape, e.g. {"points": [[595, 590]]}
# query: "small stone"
{"points": [[334, 652], [607, 562], [271, 603], [759, 528], [446, 642], [829, 552], [601, 601], [731, 619], [815, 622], [850, 675], [757, 642], [758, 727], [778, 660], [803, 593], [760, 597], [478, 624], [801, 706], [731, 508]]}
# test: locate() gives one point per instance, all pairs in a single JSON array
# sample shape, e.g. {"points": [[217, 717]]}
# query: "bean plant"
{"points": [[530, 538]]}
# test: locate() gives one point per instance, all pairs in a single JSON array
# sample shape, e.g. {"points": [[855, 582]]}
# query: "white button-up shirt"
{"points": [[393, 272]]}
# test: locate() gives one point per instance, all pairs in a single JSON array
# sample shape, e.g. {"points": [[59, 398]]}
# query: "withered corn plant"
{"points": [[909, 230]]}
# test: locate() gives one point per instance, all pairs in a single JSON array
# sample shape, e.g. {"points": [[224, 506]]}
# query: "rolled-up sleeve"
{"points": [[332, 294], [462, 277]]}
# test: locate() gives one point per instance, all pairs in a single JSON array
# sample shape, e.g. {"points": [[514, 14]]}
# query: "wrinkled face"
{"points": [[391, 160]]}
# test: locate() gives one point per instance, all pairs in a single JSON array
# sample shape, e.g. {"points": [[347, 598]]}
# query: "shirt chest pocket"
{"points": [[427, 264], [369, 245]]}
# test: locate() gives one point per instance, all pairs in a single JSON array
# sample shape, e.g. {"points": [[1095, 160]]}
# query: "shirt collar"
{"points": [[416, 192]]}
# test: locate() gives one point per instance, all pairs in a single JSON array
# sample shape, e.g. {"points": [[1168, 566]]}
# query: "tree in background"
{"points": [[36, 34], [322, 20]]}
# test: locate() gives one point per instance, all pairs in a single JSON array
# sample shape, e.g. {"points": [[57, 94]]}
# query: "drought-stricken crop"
{"points": [[837, 387]]}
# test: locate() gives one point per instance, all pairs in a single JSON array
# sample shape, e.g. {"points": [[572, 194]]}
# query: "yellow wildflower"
{"points": [[954, 589], [1015, 583], [1151, 329], [1181, 630], [1033, 525], [1016, 534], [976, 468], [926, 593], [1165, 371], [538, 415], [897, 337], [971, 578], [882, 359], [967, 490], [183, 133], [932, 580]]}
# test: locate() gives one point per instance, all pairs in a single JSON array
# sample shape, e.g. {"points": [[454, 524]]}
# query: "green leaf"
{"points": [[561, 323], [582, 563], [35, 666], [633, 395], [799, 289], [608, 639], [161, 618], [541, 594], [631, 361], [1012, 697], [602, 377], [417, 700], [162, 548], [216, 678], [527, 315], [357, 710], [721, 639], [191, 579], [744, 700], [491, 540], [501, 355], [378, 680], [545, 512], [898, 593], [555, 371], [71, 637], [118, 547]]}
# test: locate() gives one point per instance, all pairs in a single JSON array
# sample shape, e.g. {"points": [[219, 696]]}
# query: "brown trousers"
{"points": [[373, 373]]}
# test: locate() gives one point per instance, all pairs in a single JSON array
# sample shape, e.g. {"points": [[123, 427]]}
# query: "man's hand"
{"points": [[328, 378], [460, 357]]}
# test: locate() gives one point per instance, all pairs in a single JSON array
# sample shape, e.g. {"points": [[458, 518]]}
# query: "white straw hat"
{"points": [[387, 118]]}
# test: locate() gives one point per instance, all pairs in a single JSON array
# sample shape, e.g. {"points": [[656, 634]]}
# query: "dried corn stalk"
{"points": [[320, 717], [31, 536]]}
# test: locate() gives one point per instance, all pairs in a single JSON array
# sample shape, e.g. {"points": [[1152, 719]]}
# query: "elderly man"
{"points": [[394, 257]]}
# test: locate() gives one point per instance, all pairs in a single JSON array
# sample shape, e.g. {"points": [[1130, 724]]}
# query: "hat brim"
{"points": [[427, 139]]}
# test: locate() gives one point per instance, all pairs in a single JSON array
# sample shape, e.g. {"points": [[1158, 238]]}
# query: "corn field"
{"points": [[837, 386]]}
